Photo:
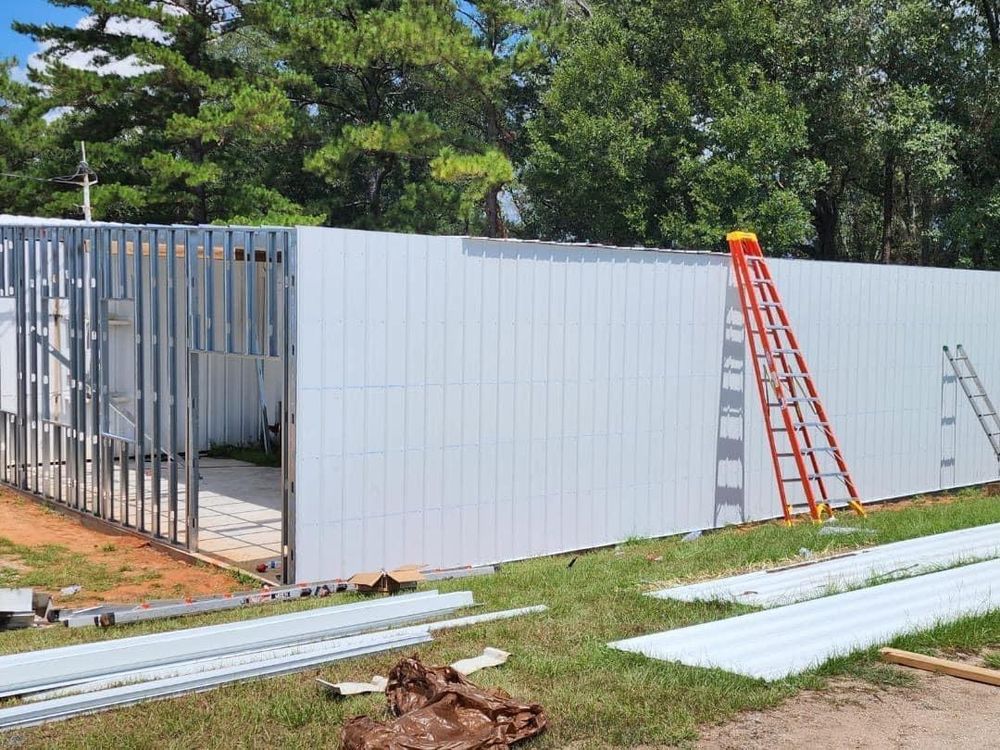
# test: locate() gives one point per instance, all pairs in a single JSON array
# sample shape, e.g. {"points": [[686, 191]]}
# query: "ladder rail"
{"points": [[810, 387], [993, 436], [783, 324], [754, 309], [774, 350]]}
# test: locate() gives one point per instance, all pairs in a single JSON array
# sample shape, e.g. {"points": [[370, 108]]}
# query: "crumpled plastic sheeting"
{"points": [[438, 709]]}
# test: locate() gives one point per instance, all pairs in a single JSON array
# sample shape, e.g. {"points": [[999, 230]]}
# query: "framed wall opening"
{"points": [[130, 358]]}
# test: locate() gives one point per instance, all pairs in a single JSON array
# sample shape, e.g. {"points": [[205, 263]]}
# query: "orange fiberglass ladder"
{"points": [[803, 447]]}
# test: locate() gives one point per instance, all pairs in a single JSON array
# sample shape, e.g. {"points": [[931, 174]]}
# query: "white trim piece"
{"points": [[491, 657], [31, 714], [770, 588], [51, 668], [783, 641]]}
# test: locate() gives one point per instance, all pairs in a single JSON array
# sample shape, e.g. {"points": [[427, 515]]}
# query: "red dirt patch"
{"points": [[27, 523]]}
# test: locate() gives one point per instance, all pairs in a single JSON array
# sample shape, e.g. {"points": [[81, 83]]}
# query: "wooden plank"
{"points": [[944, 666]]}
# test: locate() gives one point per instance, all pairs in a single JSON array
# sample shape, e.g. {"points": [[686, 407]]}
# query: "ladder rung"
{"points": [[800, 399], [768, 304], [828, 474], [822, 448], [784, 351], [777, 328], [988, 414], [793, 374], [809, 424], [761, 282]]}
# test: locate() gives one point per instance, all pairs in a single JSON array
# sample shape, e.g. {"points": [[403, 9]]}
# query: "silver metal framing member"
{"points": [[80, 436]]}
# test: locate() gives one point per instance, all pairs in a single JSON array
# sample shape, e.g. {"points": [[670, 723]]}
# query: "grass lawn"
{"points": [[594, 696]]}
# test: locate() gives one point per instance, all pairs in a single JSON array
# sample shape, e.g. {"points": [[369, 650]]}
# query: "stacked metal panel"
{"points": [[770, 588], [74, 680], [783, 641]]}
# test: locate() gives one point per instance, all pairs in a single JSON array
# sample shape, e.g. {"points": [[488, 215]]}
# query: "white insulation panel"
{"points": [[770, 588], [783, 641], [465, 401]]}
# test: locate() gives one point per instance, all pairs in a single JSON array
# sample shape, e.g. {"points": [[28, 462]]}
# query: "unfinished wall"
{"points": [[468, 401]]}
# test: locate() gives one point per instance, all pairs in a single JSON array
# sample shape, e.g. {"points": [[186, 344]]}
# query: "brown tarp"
{"points": [[438, 709]]}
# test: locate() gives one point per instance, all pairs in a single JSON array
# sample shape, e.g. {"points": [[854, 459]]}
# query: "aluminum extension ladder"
{"points": [[986, 413], [804, 449]]}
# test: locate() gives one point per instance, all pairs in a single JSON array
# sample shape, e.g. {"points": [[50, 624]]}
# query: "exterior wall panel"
{"points": [[468, 401]]}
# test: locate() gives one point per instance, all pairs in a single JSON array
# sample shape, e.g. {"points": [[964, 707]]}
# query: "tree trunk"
{"points": [[494, 218], [826, 220], [991, 15], [888, 206]]}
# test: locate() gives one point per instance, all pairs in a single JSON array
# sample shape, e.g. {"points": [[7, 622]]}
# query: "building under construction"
{"points": [[454, 401]]}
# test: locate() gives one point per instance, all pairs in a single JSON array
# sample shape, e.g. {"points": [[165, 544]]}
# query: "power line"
{"points": [[84, 177]]}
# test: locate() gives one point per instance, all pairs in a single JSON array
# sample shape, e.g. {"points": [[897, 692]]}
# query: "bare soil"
{"points": [[939, 712], [139, 570]]}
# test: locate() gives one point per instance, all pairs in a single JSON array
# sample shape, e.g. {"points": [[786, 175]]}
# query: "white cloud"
{"points": [[100, 61]]}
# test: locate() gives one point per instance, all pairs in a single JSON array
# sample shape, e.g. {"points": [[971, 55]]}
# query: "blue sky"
{"points": [[31, 11]]}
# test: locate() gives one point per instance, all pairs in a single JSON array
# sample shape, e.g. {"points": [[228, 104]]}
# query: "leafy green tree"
{"points": [[663, 127]]}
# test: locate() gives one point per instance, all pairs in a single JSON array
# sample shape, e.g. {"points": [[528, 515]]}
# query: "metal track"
{"points": [[42, 670]]}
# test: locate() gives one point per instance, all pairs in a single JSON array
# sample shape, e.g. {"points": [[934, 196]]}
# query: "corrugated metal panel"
{"points": [[769, 588], [779, 642], [468, 401]]}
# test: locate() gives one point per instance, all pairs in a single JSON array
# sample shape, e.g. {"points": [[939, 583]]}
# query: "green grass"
{"points": [[595, 696], [52, 567], [251, 454]]}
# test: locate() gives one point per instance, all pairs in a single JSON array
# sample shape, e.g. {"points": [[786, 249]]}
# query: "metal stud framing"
{"points": [[61, 434]]}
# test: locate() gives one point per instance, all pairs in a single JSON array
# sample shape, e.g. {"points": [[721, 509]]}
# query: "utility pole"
{"points": [[84, 168], [83, 177]]}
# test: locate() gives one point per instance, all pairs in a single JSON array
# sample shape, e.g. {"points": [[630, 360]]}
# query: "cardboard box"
{"points": [[387, 581]]}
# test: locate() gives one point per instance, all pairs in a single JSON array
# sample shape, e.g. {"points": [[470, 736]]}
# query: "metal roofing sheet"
{"points": [[769, 588], [776, 643]]}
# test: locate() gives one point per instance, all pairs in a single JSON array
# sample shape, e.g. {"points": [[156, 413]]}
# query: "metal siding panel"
{"points": [[503, 399]]}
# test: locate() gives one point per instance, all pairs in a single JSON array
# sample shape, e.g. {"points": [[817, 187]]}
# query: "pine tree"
{"points": [[23, 134], [182, 130], [381, 89]]}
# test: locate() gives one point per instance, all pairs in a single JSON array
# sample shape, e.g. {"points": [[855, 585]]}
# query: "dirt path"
{"points": [[48, 550], [940, 712]]}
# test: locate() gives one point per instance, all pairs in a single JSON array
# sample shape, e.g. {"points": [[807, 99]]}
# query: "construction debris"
{"points": [[943, 666], [841, 530], [377, 685], [387, 582], [108, 615], [439, 708], [442, 574], [491, 657]]}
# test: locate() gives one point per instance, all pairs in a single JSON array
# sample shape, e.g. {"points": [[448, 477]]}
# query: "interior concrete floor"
{"points": [[239, 511]]}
